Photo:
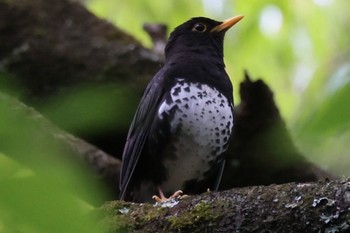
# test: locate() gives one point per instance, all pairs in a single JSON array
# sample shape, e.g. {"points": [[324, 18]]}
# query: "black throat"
{"points": [[198, 66]]}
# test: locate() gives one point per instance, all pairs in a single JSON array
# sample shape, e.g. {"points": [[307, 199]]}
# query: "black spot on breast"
{"points": [[174, 109], [193, 97], [200, 95], [223, 131], [187, 89], [177, 90], [208, 102], [178, 101], [217, 134], [217, 141], [186, 106], [185, 99], [169, 100], [228, 125]]}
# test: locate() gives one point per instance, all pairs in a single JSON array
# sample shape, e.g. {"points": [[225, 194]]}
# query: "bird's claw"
{"points": [[162, 198]]}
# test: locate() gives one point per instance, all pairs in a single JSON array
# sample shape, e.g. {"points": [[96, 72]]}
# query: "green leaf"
{"points": [[331, 117]]}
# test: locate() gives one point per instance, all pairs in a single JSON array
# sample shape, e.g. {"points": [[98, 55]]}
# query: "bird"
{"points": [[185, 118]]}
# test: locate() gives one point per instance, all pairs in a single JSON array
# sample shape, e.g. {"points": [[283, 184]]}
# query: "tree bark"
{"points": [[51, 46], [291, 207]]}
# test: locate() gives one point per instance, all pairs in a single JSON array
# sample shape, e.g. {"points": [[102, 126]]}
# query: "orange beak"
{"points": [[227, 24]]}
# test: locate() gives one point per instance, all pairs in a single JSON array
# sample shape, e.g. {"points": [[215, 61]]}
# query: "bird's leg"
{"points": [[162, 198]]}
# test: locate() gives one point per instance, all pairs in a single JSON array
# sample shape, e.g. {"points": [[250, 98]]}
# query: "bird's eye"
{"points": [[199, 27]]}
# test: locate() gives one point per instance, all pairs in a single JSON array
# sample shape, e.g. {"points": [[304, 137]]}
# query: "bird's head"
{"points": [[199, 35]]}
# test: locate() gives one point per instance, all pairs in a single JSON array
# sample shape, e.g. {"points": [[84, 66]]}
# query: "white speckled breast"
{"points": [[202, 124]]}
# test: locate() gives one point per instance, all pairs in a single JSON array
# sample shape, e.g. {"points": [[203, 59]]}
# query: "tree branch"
{"points": [[52, 46], [309, 207]]}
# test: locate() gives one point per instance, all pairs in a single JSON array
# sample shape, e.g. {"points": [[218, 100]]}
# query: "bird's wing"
{"points": [[140, 129]]}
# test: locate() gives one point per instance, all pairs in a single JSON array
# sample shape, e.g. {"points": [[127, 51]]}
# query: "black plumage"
{"points": [[184, 120]]}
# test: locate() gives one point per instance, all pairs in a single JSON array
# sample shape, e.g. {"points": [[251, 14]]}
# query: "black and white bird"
{"points": [[184, 120]]}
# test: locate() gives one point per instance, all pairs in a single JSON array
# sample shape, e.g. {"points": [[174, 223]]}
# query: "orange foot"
{"points": [[162, 198]]}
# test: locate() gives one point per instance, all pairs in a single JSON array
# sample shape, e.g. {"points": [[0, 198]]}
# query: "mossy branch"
{"points": [[292, 207]]}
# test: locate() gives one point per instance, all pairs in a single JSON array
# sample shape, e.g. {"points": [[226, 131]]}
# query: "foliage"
{"points": [[40, 201]]}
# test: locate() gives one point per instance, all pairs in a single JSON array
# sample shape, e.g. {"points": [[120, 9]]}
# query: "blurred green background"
{"points": [[299, 48], [41, 196]]}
